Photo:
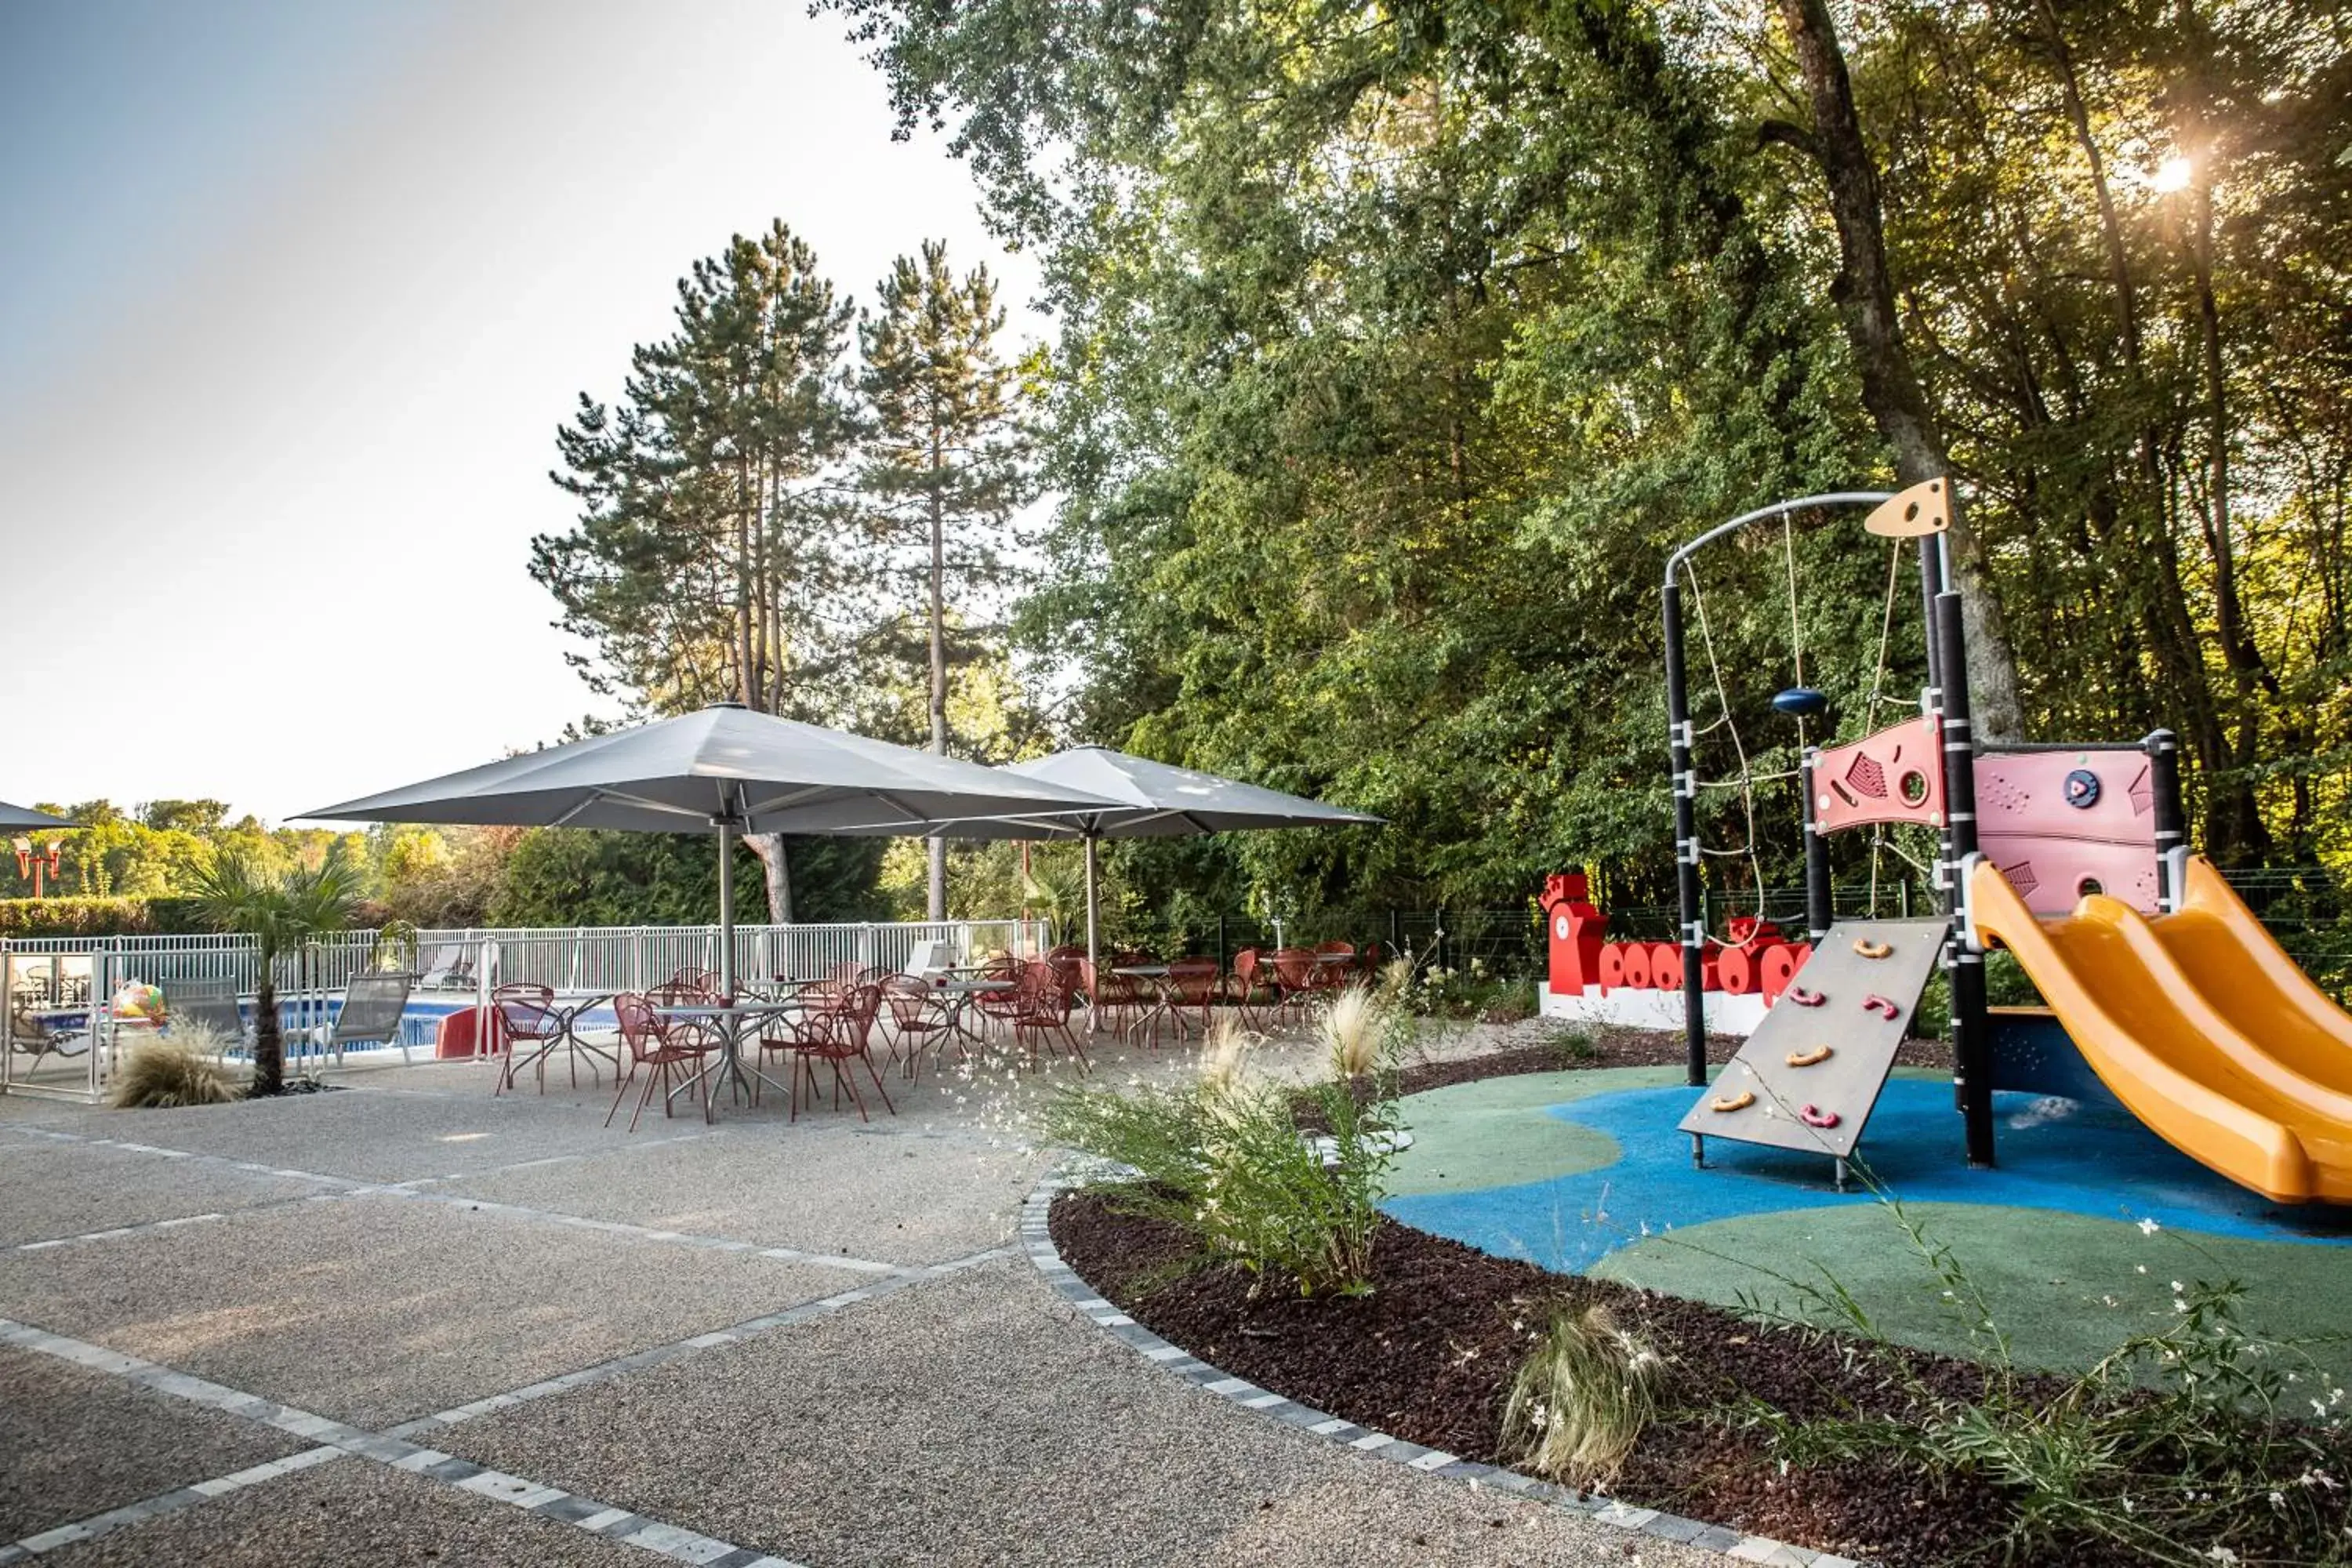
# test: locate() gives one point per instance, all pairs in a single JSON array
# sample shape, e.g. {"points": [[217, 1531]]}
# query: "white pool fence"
{"points": [[56, 977]]}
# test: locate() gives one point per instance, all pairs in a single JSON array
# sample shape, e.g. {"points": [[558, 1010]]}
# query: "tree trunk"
{"points": [[268, 1040], [936, 902], [1890, 383], [776, 872]]}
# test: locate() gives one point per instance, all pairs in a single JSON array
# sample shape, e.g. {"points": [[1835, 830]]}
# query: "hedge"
{"points": [[95, 916]]}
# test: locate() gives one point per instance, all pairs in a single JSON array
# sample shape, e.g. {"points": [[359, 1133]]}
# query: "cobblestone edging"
{"points": [[1037, 1240]]}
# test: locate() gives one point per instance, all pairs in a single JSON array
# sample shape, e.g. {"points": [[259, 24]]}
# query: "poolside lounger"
{"points": [[369, 1015], [450, 967], [211, 1003]]}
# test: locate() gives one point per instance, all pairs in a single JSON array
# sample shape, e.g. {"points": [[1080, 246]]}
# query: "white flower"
{"points": [[2221, 1554], [2176, 1286], [2149, 1227]]}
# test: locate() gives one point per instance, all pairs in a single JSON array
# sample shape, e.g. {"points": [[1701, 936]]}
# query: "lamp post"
{"points": [[32, 861]]}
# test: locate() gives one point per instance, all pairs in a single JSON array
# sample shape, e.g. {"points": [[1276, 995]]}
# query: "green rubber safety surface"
{"points": [[2064, 1288], [1494, 1133]]}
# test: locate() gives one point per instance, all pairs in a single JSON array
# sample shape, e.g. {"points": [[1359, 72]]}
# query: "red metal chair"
{"points": [[1111, 999], [1252, 989], [1294, 980], [834, 1035], [526, 1016], [703, 980], [1041, 1008], [1369, 959], [1333, 960], [916, 1017], [1194, 984], [1002, 1006], [658, 1044]]}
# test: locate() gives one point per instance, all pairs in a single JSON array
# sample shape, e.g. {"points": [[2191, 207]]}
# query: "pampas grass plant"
{"points": [[1353, 1028], [1581, 1399], [175, 1070]]}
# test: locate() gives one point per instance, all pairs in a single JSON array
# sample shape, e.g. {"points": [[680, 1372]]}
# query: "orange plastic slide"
{"points": [[2203, 1027]]}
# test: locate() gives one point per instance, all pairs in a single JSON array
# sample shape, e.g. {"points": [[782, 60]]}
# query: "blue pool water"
{"points": [[2056, 1154]]}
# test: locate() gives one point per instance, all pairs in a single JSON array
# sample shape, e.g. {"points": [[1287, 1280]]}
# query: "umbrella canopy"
{"points": [[1149, 800], [12, 816], [726, 770]]}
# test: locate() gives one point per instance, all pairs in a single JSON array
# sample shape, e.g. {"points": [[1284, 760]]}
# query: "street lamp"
{"points": [[31, 861]]}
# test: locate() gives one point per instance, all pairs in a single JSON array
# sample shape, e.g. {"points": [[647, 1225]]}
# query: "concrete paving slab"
{"points": [[376, 1309], [978, 1420], [78, 1442], [896, 1194], [351, 1514], [54, 1188], [370, 1136]]}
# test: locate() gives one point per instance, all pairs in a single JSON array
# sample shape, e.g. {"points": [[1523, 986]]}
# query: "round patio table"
{"points": [[1163, 999], [729, 1020]]}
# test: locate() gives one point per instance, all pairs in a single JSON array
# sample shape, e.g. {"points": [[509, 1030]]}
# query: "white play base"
{"points": [[1644, 1008]]}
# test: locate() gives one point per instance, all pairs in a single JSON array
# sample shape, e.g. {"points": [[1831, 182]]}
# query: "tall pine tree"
{"points": [[946, 459], [714, 556]]}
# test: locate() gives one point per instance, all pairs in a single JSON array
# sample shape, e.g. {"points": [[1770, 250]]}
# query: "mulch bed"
{"points": [[1428, 1356]]}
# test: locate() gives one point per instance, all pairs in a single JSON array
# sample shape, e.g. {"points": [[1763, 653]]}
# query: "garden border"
{"points": [[1038, 1242]]}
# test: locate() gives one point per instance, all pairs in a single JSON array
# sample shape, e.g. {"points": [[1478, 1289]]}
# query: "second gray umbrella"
{"points": [[25, 817], [1148, 800]]}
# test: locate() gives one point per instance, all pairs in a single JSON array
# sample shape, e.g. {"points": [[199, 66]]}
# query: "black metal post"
{"points": [[1685, 784], [2171, 822], [1818, 915], [1971, 1043]]}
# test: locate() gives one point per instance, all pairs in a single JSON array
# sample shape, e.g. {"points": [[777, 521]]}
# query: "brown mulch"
{"points": [[1429, 1355]]}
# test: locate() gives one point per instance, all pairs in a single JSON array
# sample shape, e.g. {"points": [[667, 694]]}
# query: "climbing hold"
{"points": [[1880, 1005], [1803, 997], [1739, 1101], [1814, 1058], [1869, 949], [2081, 789], [1815, 1116], [1802, 701]]}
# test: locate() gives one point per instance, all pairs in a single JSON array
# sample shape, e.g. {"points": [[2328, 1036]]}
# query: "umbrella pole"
{"points": [[726, 909], [1094, 958]]}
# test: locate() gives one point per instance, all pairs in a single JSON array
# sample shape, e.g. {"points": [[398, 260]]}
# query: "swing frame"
{"points": [[1947, 698]]}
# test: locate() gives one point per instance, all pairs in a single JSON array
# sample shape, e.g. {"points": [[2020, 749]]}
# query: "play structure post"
{"points": [[1818, 913], [2171, 824], [1971, 1044], [1693, 933]]}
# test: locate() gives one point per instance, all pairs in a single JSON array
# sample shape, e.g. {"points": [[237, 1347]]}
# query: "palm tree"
{"points": [[281, 911]]}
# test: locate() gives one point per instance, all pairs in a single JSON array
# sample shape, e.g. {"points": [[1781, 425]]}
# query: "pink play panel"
{"points": [[1896, 776], [2062, 825]]}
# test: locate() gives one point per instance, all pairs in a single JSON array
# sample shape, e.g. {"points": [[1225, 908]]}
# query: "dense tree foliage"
{"points": [[1397, 345]]}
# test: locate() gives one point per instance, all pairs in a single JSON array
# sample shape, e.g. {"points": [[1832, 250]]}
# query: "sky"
{"points": [[293, 297]]}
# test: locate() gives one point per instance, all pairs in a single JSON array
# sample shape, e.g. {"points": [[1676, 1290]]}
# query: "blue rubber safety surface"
{"points": [[2054, 1154]]}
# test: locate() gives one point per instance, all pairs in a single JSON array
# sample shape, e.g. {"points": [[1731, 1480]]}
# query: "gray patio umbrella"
{"points": [[25, 817], [1149, 800], [727, 770]]}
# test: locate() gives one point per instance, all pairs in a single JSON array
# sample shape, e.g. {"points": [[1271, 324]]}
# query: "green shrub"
{"points": [[2183, 1446], [1574, 1045], [1580, 1400], [172, 1070], [75, 916], [1224, 1157]]}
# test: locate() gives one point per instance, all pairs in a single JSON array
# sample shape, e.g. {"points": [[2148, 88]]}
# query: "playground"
{"points": [[2158, 1138]]}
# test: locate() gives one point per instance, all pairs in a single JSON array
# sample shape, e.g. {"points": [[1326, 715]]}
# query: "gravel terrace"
{"points": [[412, 1322]]}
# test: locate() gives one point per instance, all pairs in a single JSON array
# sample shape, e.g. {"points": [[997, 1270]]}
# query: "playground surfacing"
{"points": [[2076, 1238]]}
